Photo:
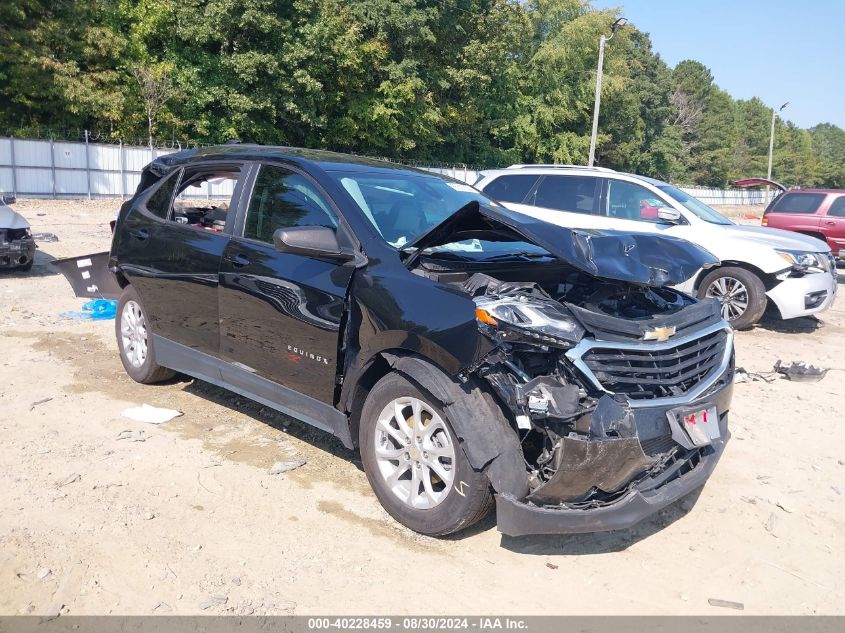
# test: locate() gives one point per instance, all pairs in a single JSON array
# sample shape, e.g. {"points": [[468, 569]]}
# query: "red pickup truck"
{"points": [[816, 212]]}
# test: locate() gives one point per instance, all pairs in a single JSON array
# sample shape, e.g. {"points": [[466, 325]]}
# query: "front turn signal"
{"points": [[484, 317]]}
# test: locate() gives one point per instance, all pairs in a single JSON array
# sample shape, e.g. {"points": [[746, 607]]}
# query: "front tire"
{"points": [[135, 340], [740, 292], [414, 462]]}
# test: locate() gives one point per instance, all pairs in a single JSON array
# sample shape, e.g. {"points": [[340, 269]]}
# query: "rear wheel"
{"points": [[415, 463], [134, 340], [740, 292]]}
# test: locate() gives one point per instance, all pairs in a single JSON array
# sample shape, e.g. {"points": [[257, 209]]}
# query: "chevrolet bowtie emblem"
{"points": [[659, 334]]}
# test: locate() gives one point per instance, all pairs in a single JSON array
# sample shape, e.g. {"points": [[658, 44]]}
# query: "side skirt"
{"points": [[234, 378]]}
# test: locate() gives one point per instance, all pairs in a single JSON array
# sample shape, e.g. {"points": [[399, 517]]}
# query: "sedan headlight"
{"points": [[543, 321], [805, 261]]}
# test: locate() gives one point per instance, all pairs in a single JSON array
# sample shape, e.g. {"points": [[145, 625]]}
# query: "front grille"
{"points": [[665, 372], [658, 445]]}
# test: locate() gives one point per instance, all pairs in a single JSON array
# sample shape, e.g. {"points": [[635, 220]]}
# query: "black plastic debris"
{"points": [[800, 371]]}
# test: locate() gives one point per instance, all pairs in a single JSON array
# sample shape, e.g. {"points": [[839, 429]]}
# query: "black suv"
{"points": [[469, 352]]}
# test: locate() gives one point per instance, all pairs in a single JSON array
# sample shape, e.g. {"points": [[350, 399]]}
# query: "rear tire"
{"points": [[414, 462], [135, 340], [741, 293]]}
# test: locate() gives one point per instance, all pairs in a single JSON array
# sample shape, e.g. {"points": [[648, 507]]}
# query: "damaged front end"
{"points": [[619, 393], [17, 247], [617, 385]]}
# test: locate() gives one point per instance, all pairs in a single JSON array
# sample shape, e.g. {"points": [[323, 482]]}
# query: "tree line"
{"points": [[481, 82]]}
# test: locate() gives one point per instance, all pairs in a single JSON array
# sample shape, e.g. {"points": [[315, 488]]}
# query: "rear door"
{"points": [[172, 256], [280, 313], [833, 226]]}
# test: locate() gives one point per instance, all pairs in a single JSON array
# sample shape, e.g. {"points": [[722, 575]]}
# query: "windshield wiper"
{"points": [[525, 255]]}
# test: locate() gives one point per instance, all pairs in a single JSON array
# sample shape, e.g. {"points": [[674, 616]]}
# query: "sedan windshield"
{"points": [[695, 205], [403, 206]]}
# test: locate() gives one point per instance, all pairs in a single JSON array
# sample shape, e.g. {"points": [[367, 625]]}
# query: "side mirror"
{"points": [[9, 199], [313, 241], [669, 215]]}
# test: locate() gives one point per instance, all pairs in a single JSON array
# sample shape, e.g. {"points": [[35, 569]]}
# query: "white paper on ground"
{"points": [[150, 414]]}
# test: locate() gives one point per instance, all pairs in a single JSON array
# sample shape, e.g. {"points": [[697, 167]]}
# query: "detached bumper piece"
{"points": [[89, 276], [643, 499]]}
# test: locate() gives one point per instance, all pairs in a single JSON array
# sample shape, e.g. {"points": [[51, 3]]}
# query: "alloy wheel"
{"points": [[133, 331], [732, 294], [415, 453]]}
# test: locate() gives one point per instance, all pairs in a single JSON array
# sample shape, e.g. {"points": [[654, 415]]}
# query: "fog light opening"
{"points": [[814, 299]]}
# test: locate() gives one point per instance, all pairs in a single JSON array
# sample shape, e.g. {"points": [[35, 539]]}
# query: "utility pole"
{"points": [[600, 72], [772, 139]]}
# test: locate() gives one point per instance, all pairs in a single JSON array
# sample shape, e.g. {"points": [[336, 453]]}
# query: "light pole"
{"points": [[620, 22], [772, 138]]}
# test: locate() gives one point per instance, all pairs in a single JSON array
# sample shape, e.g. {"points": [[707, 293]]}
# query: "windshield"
{"points": [[695, 205], [403, 206]]}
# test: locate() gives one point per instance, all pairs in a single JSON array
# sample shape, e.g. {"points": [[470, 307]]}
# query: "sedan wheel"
{"points": [[415, 453], [732, 294]]}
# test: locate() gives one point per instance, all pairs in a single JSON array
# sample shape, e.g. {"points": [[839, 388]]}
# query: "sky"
{"points": [[777, 50]]}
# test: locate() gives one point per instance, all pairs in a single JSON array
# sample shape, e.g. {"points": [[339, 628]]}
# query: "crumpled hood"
{"points": [[640, 258], [776, 238], [10, 219]]}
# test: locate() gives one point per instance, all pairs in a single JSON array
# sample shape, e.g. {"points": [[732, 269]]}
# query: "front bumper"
{"points": [[801, 296], [16, 253], [520, 518]]}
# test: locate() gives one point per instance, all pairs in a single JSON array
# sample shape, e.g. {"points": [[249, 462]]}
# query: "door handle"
{"points": [[238, 261], [830, 222], [139, 234]]}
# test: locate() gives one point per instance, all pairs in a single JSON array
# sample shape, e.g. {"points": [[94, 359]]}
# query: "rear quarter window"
{"points": [[837, 209], [797, 203], [510, 188], [159, 202]]}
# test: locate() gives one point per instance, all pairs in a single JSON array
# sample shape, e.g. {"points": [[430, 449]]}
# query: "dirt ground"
{"points": [[189, 520]]}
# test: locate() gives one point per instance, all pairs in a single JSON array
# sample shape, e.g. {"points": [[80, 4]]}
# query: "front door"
{"points": [[280, 313]]}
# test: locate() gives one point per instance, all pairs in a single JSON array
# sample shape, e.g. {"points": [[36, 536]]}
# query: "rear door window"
{"points": [[837, 209], [567, 193], [510, 188], [283, 199], [797, 203], [204, 197], [629, 201]]}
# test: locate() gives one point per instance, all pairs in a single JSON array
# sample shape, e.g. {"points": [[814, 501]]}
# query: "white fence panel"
{"points": [[104, 184], [6, 181], [35, 181], [136, 158], [40, 168], [104, 157], [71, 184], [5, 151], [32, 153], [66, 155]]}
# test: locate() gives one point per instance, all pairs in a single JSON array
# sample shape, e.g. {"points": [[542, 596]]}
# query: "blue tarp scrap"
{"points": [[97, 310]]}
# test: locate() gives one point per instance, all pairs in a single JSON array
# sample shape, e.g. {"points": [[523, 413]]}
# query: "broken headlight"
{"points": [[541, 320]]}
